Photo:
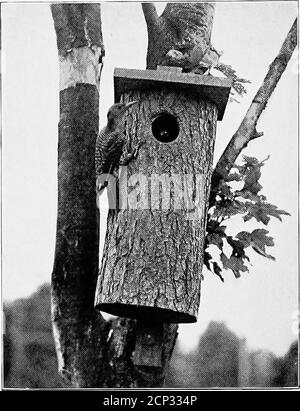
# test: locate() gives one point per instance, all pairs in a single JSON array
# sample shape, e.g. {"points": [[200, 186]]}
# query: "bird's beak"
{"points": [[130, 104]]}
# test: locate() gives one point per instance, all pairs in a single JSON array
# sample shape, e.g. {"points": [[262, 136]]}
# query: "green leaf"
{"points": [[217, 270], [247, 202], [215, 239], [262, 212], [237, 82], [252, 161], [248, 195], [238, 248], [245, 238], [235, 264], [225, 190], [257, 212], [206, 259], [259, 241], [252, 174], [214, 226], [215, 234], [259, 236], [262, 252]]}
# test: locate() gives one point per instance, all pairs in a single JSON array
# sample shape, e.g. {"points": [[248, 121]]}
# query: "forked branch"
{"points": [[247, 129]]}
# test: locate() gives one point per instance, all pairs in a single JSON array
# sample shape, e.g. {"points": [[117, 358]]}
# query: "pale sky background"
{"points": [[261, 305]]}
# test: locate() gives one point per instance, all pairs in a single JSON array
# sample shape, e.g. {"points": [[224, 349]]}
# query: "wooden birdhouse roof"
{"points": [[214, 89]]}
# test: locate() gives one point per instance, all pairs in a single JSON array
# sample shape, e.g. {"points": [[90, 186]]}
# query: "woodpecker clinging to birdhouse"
{"points": [[110, 143]]}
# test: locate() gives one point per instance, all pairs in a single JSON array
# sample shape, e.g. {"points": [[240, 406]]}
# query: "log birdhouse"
{"points": [[153, 253]]}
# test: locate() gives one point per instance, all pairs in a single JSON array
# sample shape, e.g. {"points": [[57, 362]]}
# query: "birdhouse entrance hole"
{"points": [[165, 128]]}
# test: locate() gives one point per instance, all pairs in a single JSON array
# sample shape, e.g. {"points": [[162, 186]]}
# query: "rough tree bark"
{"points": [[79, 331], [181, 26], [91, 352], [152, 261]]}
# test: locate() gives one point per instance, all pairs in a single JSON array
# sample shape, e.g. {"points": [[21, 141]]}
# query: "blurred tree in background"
{"points": [[29, 353], [221, 359]]}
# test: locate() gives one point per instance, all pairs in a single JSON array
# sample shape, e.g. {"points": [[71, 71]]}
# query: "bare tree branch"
{"points": [[247, 128]]}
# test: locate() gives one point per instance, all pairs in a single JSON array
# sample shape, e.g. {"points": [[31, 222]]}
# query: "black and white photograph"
{"points": [[150, 193]]}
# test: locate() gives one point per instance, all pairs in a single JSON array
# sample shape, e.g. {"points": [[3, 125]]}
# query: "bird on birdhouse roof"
{"points": [[200, 58]]}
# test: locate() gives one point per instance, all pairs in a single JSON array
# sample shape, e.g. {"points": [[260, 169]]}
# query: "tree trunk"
{"points": [[79, 331], [181, 27], [91, 352]]}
